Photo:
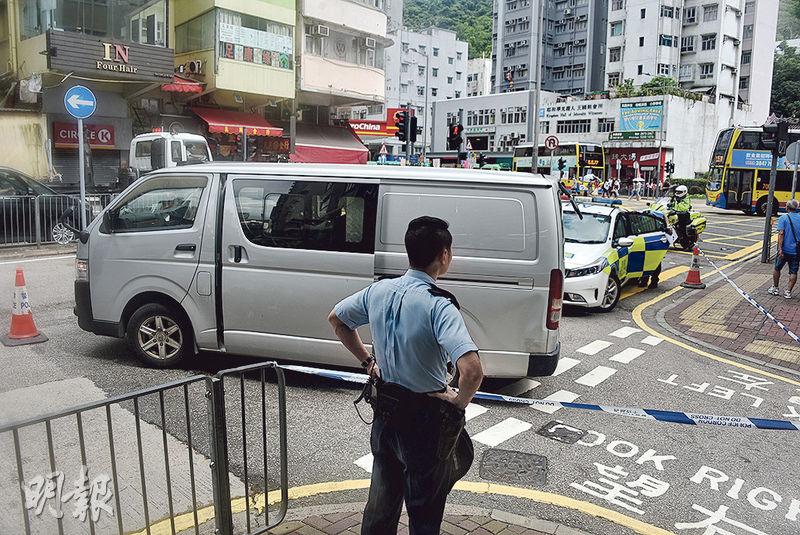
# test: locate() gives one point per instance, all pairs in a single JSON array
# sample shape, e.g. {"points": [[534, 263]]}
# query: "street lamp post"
{"points": [[537, 95]]}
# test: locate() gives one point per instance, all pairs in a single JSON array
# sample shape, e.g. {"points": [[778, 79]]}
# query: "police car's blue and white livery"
{"points": [[607, 248]]}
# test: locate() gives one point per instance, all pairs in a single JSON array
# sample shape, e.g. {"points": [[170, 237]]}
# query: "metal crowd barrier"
{"points": [[165, 467], [33, 219]]}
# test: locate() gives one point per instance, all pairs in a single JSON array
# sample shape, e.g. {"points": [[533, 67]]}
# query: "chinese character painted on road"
{"points": [[88, 498], [713, 524], [622, 495]]}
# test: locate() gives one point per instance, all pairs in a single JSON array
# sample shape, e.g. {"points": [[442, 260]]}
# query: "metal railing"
{"points": [[162, 463], [34, 219]]}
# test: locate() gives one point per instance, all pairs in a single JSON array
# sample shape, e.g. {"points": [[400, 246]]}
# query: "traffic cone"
{"points": [[693, 276], [23, 329]]}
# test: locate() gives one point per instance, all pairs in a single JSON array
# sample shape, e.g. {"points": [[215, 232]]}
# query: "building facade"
{"points": [[634, 132], [479, 77], [573, 40], [708, 47]]}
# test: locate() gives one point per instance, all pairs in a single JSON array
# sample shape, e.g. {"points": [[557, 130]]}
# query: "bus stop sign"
{"points": [[551, 143]]}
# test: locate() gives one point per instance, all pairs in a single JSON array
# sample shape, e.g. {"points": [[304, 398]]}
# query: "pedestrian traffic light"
{"points": [[400, 120], [454, 137], [562, 164], [670, 168], [775, 136], [412, 129]]}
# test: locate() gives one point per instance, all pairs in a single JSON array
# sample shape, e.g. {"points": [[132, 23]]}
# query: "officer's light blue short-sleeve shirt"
{"points": [[789, 241], [414, 333]]}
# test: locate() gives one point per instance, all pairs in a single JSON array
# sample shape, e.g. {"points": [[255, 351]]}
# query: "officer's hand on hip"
{"points": [[373, 370], [450, 396]]}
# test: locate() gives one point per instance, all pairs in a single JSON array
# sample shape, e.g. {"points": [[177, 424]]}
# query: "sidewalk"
{"points": [[718, 316]]}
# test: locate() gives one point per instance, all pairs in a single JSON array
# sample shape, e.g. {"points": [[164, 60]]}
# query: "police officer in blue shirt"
{"points": [[418, 429]]}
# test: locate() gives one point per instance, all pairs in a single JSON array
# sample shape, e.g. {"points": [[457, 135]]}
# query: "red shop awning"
{"points": [[328, 144], [236, 122], [180, 84]]}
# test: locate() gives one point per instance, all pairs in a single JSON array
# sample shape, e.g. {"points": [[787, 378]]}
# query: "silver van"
{"points": [[250, 258]]}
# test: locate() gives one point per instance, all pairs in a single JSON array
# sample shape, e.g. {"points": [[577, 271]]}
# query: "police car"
{"points": [[609, 247]]}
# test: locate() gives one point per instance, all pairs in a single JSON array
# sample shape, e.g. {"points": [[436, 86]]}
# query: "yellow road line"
{"points": [[639, 320], [185, 520], [726, 239], [741, 253], [671, 273]]}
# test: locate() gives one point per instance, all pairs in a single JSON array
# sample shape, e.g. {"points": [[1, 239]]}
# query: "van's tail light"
{"points": [[82, 270], [555, 299]]}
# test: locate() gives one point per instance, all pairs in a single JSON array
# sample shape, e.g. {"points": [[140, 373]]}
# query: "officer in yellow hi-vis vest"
{"points": [[609, 247]]}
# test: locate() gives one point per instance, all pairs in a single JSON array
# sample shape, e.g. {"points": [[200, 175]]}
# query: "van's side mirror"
{"points": [[82, 235]]}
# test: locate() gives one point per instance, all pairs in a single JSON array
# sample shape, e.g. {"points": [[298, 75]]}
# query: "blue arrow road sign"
{"points": [[80, 102]]}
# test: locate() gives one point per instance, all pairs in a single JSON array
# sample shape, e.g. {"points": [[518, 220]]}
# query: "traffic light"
{"points": [[775, 137], [670, 167], [412, 130], [400, 120], [562, 164], [454, 137]]}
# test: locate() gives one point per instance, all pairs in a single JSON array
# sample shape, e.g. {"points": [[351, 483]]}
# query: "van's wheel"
{"points": [[159, 335], [612, 294]]}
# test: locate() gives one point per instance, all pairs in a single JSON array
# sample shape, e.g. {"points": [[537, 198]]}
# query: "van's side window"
{"points": [[143, 149], [323, 216], [175, 148], [160, 204]]}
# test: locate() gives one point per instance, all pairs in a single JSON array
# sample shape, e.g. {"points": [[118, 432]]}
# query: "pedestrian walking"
{"points": [[615, 188], [607, 188], [636, 189], [418, 440], [788, 232]]}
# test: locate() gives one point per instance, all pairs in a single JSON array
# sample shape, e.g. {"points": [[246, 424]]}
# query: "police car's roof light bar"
{"points": [[611, 202]]}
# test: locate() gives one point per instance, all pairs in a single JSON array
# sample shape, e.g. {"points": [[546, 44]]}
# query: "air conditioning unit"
{"points": [[324, 31], [567, 12], [369, 42], [736, 42]]}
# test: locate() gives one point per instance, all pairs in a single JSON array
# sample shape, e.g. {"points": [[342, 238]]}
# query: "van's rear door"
{"points": [[292, 247]]}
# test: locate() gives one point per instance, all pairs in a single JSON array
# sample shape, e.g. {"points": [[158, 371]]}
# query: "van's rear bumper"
{"points": [[544, 364], [83, 310]]}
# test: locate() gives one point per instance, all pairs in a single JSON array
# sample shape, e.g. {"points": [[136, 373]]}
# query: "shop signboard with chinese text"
{"points": [[639, 116], [756, 159], [636, 135]]}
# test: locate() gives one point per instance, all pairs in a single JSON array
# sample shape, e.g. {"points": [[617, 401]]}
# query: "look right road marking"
{"points": [[596, 376], [499, 433], [594, 348]]}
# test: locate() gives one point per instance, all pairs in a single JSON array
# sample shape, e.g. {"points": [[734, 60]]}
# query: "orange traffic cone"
{"points": [[23, 329], [693, 276]]}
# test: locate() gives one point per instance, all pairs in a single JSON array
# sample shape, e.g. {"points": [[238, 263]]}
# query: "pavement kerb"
{"points": [[638, 318], [185, 521]]}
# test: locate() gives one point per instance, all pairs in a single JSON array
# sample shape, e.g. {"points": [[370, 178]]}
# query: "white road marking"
{"points": [[365, 462], [625, 321], [564, 364], [37, 259], [562, 396], [596, 376], [652, 340], [519, 387], [594, 348], [474, 410], [624, 332], [501, 432], [627, 355]]}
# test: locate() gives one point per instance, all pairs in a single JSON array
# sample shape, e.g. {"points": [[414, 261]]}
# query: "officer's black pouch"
{"points": [[391, 399]]}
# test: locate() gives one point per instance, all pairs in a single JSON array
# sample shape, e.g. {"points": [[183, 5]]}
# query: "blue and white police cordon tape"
{"points": [[751, 300], [675, 417]]}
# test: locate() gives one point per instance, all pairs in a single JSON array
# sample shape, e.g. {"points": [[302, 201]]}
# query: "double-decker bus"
{"points": [[578, 158], [739, 171]]}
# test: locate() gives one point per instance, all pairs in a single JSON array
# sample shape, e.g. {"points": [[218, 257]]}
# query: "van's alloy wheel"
{"points": [[159, 334], [160, 337]]}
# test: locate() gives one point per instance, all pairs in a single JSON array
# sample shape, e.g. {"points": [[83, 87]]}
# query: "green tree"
{"points": [[626, 89], [786, 83], [470, 19]]}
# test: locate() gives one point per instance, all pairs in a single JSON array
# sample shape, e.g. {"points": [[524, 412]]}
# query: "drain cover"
{"points": [[561, 432], [514, 467]]}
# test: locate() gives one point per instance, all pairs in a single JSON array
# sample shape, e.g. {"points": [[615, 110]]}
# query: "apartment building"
{"points": [[574, 34], [708, 46], [479, 77]]}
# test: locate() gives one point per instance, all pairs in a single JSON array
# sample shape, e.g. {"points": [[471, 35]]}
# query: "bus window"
{"points": [[722, 146], [748, 140], [714, 179]]}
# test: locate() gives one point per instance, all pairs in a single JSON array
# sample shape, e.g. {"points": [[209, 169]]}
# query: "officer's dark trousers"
{"points": [[410, 464]]}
